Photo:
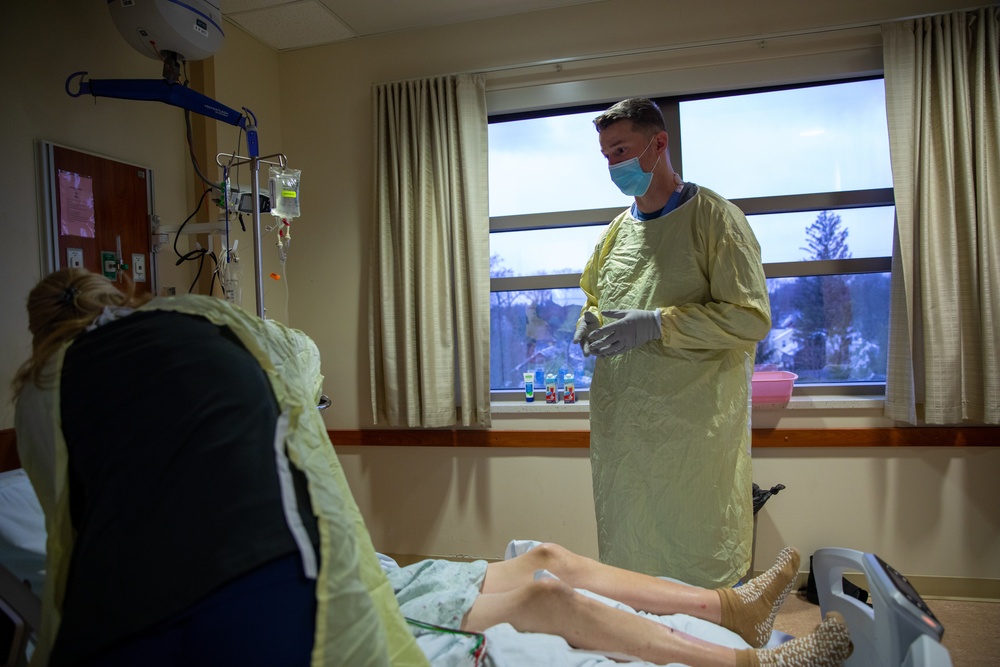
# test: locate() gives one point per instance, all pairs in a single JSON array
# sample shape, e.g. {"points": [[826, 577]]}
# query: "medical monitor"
{"points": [[245, 204]]}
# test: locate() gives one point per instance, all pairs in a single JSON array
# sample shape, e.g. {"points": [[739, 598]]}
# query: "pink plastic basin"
{"points": [[772, 386]]}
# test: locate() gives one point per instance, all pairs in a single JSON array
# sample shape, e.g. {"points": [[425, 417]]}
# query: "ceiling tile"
{"points": [[231, 6], [372, 17], [293, 25]]}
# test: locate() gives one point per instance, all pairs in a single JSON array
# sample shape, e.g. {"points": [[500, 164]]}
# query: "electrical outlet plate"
{"points": [[138, 267], [74, 258]]}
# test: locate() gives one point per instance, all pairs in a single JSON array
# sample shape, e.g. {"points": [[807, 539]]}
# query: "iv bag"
{"points": [[284, 187], [231, 283]]}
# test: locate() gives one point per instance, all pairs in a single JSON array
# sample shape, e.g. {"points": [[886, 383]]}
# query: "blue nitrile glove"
{"points": [[584, 327], [630, 329]]}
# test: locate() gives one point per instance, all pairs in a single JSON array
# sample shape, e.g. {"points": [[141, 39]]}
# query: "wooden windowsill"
{"points": [[818, 402]]}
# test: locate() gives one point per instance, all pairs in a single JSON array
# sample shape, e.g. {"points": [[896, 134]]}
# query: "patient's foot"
{"points": [[749, 610], [828, 646]]}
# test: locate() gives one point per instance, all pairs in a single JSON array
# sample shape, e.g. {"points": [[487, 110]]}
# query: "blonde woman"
{"points": [[188, 486]]}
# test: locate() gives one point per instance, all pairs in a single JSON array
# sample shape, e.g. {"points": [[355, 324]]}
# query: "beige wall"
{"points": [[930, 512]]}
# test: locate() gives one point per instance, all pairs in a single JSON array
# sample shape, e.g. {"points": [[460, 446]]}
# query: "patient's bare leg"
{"points": [[553, 607], [748, 610], [639, 591]]}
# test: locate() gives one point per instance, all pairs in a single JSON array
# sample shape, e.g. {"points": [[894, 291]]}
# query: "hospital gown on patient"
{"points": [[438, 592], [670, 423]]}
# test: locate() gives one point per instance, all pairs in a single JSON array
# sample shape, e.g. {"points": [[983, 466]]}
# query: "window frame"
{"points": [[799, 203]]}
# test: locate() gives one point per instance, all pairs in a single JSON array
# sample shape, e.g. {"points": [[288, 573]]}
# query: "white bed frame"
{"points": [[20, 613]]}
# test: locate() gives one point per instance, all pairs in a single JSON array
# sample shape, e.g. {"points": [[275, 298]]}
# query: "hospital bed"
{"points": [[898, 630], [20, 615], [22, 566]]}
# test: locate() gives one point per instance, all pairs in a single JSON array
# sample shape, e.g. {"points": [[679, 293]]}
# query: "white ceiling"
{"points": [[295, 24]]}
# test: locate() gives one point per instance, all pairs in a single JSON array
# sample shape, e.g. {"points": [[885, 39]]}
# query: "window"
{"points": [[809, 165]]}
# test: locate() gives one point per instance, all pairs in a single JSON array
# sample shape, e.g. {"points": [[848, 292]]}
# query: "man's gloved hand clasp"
{"points": [[587, 324], [630, 329]]}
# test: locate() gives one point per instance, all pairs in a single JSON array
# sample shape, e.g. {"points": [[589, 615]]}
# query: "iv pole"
{"points": [[171, 92], [254, 163]]}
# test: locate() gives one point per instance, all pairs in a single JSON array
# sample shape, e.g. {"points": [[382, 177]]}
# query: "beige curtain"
{"points": [[429, 328], [943, 103]]}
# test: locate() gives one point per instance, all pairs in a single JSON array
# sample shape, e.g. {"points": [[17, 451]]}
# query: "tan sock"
{"points": [[828, 646], [749, 610], [747, 658]]}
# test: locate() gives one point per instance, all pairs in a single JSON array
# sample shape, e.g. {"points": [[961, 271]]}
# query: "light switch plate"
{"points": [[74, 258]]}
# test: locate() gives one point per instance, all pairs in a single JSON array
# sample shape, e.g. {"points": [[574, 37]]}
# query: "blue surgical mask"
{"points": [[629, 176]]}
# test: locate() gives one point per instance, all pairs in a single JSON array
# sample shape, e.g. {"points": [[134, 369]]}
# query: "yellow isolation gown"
{"points": [[670, 419], [358, 621]]}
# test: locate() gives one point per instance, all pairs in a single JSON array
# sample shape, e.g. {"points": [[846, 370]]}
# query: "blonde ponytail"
{"points": [[60, 308]]}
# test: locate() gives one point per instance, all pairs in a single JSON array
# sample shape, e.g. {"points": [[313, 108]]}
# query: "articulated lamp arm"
{"points": [[174, 94]]}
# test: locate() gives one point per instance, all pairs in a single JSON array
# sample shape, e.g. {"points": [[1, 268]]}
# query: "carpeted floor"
{"points": [[971, 629]]}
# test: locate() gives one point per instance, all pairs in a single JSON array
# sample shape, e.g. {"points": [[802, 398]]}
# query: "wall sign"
{"points": [[76, 205]]}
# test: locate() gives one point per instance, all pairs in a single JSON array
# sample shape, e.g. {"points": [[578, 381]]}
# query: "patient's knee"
{"points": [[548, 556]]}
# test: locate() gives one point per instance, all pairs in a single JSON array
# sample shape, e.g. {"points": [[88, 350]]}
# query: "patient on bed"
{"points": [[535, 592]]}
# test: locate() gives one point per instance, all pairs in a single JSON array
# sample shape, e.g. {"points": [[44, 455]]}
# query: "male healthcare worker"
{"points": [[676, 302]]}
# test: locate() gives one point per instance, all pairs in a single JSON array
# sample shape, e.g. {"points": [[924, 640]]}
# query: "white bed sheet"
{"points": [[22, 529], [506, 647]]}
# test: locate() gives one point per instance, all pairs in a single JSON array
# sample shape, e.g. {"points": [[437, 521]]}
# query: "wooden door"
{"points": [[100, 215]]}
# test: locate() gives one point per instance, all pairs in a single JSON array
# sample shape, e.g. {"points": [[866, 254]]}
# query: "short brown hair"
{"points": [[643, 112]]}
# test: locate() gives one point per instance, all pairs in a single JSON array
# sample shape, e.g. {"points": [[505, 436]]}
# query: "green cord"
{"points": [[480, 637]]}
